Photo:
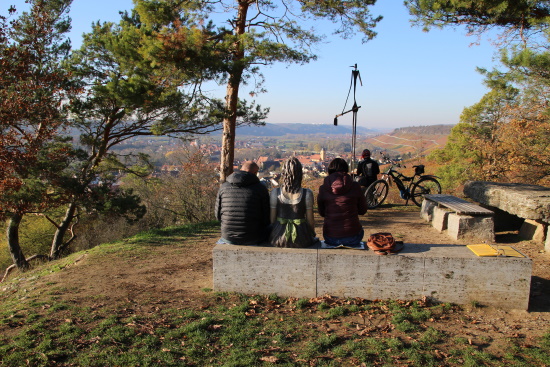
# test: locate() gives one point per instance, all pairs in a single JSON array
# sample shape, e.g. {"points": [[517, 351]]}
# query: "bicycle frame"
{"points": [[418, 186], [405, 191]]}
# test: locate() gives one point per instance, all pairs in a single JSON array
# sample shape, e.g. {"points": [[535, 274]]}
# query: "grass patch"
{"points": [[302, 303], [407, 317], [241, 330], [166, 236]]}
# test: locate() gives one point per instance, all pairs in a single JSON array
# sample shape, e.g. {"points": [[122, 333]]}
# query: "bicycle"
{"points": [[377, 192]]}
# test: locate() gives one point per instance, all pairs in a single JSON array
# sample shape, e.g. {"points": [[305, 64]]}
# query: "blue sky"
{"points": [[410, 77]]}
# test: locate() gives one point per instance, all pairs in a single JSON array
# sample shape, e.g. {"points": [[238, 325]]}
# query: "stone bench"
{"points": [[530, 203], [444, 273], [460, 218]]}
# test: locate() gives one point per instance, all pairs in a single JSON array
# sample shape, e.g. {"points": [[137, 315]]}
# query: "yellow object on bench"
{"points": [[494, 250]]}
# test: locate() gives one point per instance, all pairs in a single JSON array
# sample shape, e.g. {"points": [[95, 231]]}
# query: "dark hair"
{"points": [[291, 175], [338, 165], [364, 154]]}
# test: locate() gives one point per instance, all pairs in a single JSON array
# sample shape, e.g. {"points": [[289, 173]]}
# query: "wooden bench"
{"points": [[458, 205], [460, 218]]}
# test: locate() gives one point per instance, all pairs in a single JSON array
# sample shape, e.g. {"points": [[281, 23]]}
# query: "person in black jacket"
{"points": [[242, 206], [367, 170]]}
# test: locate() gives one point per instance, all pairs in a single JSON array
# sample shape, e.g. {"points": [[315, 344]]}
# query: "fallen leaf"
{"points": [[270, 359]]}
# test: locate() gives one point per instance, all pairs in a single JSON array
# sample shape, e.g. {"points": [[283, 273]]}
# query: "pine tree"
{"points": [[255, 33]]}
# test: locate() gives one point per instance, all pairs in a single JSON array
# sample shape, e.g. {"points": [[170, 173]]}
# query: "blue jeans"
{"points": [[345, 241]]}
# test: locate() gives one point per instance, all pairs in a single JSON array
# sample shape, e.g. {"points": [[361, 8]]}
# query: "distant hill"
{"points": [[300, 129], [426, 130], [415, 139]]}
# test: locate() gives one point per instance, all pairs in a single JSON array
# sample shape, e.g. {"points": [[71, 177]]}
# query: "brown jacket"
{"points": [[340, 202]]}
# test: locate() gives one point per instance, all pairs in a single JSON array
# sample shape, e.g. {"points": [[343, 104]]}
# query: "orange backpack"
{"points": [[384, 244]]}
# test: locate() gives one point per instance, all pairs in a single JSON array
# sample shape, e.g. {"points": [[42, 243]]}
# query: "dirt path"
{"points": [[176, 276]]}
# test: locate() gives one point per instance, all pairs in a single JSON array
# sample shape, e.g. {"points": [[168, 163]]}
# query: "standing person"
{"points": [[340, 202], [291, 205], [242, 206], [367, 170]]}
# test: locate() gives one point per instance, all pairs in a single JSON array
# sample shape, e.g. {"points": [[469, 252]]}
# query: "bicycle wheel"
{"points": [[425, 186], [376, 193]]}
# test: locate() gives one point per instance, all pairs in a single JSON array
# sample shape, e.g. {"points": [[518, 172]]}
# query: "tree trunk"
{"points": [[57, 243], [12, 235], [232, 95], [229, 124]]}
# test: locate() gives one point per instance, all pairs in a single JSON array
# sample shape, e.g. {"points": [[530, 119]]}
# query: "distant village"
{"points": [[313, 164], [314, 148]]}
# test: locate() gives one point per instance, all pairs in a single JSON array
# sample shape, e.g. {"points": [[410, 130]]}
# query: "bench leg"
{"points": [[533, 230], [426, 211], [476, 228], [440, 218]]}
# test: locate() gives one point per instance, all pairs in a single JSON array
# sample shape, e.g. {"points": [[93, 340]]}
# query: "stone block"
{"points": [[524, 200], [440, 217], [367, 275], [474, 228], [503, 282], [265, 270], [547, 242], [445, 273], [426, 211], [533, 230]]}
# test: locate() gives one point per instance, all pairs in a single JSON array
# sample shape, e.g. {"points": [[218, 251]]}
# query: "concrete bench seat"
{"points": [[460, 218], [445, 273]]}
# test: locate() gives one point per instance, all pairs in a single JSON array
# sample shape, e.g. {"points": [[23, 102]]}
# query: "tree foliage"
{"points": [[33, 91], [183, 195], [515, 17]]}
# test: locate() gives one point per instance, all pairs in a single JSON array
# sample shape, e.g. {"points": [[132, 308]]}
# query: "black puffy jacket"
{"points": [[242, 206]]}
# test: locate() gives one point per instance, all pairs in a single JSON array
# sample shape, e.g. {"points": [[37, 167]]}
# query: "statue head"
{"points": [[291, 175]]}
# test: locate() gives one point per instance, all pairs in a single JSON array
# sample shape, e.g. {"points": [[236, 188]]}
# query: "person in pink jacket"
{"points": [[340, 202]]}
